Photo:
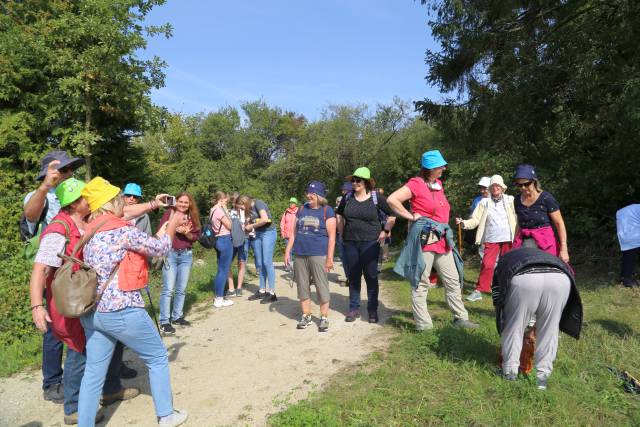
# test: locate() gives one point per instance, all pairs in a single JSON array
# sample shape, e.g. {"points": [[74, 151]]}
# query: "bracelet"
{"points": [[153, 205], [36, 306]]}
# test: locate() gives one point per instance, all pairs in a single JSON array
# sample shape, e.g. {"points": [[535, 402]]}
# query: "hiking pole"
{"points": [[153, 310], [460, 237]]}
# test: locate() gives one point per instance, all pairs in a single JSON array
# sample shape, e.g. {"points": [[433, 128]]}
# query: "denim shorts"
{"points": [[242, 251]]}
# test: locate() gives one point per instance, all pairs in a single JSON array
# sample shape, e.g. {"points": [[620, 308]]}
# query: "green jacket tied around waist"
{"points": [[411, 265]]}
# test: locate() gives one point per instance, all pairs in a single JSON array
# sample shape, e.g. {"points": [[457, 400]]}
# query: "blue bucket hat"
{"points": [[63, 158], [525, 172], [347, 186], [318, 188], [132, 189], [432, 159]]}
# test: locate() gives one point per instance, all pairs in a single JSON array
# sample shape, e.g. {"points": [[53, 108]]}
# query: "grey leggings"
{"points": [[545, 296]]}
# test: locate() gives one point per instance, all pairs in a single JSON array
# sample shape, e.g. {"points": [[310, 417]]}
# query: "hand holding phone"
{"points": [[170, 201]]}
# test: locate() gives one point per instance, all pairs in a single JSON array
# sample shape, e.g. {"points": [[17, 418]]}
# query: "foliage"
{"points": [[552, 83], [447, 376]]}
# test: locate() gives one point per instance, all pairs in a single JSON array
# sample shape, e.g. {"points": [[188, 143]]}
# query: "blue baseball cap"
{"points": [[132, 189], [525, 171], [318, 188], [432, 159]]}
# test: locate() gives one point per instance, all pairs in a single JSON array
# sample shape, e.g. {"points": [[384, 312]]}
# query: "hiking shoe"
{"points": [[542, 383], [352, 316], [373, 317], [125, 394], [177, 418], [323, 326], [221, 302], [269, 298], [54, 393], [182, 322], [464, 323], [126, 373], [305, 321], [474, 296], [510, 377], [239, 292], [258, 295], [166, 328], [231, 293], [72, 419]]}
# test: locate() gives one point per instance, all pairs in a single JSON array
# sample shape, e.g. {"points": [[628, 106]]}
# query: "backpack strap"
{"points": [[87, 237]]}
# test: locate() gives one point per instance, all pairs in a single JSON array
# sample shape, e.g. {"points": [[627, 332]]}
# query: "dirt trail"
{"points": [[233, 366]]}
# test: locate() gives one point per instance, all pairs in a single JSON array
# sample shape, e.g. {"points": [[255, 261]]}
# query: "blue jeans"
{"points": [[175, 275], [224, 252], [51, 359], [362, 258], [343, 257], [134, 328], [263, 247], [74, 371]]}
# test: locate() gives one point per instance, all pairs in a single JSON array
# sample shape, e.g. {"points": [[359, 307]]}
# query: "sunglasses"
{"points": [[523, 184], [355, 180], [131, 195], [65, 169]]}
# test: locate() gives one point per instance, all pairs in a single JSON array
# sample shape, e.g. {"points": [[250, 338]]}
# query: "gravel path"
{"points": [[233, 366]]}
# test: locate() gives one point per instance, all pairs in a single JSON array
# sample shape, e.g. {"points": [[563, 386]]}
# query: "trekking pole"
{"points": [[460, 237], [153, 310]]}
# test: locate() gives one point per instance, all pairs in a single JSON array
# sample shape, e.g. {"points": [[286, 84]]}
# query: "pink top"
{"points": [[431, 204], [543, 236], [216, 223]]}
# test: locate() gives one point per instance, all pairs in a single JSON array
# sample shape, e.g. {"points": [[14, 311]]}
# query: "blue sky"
{"points": [[299, 55]]}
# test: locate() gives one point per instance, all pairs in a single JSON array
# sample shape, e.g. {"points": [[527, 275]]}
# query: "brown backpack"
{"points": [[74, 292]]}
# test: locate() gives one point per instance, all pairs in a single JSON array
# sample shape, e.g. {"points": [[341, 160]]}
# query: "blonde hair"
{"points": [[234, 198], [322, 201], [246, 201], [114, 206]]}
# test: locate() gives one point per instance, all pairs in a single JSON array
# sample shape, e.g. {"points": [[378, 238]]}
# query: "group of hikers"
{"points": [[523, 240]]}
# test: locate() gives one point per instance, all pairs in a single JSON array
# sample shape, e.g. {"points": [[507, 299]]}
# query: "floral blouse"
{"points": [[106, 249]]}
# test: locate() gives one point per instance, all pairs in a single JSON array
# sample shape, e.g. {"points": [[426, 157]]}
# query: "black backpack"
{"points": [[25, 233]]}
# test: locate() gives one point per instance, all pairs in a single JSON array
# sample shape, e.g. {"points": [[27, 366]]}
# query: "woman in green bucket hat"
{"points": [[361, 227]]}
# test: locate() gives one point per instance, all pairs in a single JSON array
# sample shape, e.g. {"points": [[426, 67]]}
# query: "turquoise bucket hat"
{"points": [[432, 159]]}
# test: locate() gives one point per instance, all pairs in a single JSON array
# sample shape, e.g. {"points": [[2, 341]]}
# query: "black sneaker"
{"points": [[269, 298], [126, 373], [167, 329], [54, 393], [258, 295], [373, 317], [352, 316], [182, 322]]}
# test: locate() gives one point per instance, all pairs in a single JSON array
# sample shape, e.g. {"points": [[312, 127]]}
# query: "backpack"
{"points": [[208, 237], [237, 232], [75, 292], [32, 239]]}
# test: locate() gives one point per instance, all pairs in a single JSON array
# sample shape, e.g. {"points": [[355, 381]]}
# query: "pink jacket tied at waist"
{"points": [[544, 237]]}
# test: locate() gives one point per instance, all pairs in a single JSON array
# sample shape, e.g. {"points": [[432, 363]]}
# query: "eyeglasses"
{"points": [[523, 184], [356, 180]]}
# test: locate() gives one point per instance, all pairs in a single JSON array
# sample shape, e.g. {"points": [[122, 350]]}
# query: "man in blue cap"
{"points": [[132, 194]]}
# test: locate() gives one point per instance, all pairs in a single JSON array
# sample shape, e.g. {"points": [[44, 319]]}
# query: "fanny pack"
{"points": [[429, 235]]}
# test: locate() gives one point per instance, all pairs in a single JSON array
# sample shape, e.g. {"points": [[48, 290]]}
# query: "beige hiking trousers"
{"points": [[446, 268]]}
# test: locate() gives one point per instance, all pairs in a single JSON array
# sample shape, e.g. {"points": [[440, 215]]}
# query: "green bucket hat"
{"points": [[69, 191], [364, 173], [293, 200]]}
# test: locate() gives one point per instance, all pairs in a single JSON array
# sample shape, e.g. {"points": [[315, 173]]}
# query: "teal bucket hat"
{"points": [[432, 159]]}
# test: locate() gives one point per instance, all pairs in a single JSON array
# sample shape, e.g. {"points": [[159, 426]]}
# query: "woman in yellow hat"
{"points": [[113, 252]]}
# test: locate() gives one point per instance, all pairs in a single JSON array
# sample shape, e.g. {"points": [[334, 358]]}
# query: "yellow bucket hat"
{"points": [[98, 191]]}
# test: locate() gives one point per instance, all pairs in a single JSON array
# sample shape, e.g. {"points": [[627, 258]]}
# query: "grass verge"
{"points": [[446, 376]]}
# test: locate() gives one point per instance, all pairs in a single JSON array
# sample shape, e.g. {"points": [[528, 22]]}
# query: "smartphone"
{"points": [[170, 201]]}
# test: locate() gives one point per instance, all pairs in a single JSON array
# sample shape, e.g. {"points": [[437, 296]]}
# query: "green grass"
{"points": [[446, 376]]}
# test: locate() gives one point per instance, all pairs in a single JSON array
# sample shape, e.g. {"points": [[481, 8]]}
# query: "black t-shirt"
{"points": [[536, 215], [362, 223]]}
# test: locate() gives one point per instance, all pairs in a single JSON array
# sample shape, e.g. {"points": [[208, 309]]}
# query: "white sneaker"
{"points": [[474, 296], [173, 420], [220, 302]]}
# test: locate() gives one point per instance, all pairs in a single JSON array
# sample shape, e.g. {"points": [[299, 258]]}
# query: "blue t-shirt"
{"points": [[312, 238], [536, 215], [258, 206]]}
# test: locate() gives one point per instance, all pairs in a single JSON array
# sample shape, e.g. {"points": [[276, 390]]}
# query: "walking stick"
{"points": [[153, 310], [460, 237]]}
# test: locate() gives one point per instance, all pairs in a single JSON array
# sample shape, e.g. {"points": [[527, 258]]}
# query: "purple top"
{"points": [[106, 249], [180, 241]]}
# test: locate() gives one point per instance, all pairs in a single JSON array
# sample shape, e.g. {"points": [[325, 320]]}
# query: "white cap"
{"points": [[485, 181]]}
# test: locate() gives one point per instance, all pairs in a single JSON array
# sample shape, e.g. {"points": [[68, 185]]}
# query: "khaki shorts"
{"points": [[307, 267]]}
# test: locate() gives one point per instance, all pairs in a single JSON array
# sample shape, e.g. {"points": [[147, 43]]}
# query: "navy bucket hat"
{"points": [[318, 188], [525, 171], [64, 159]]}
